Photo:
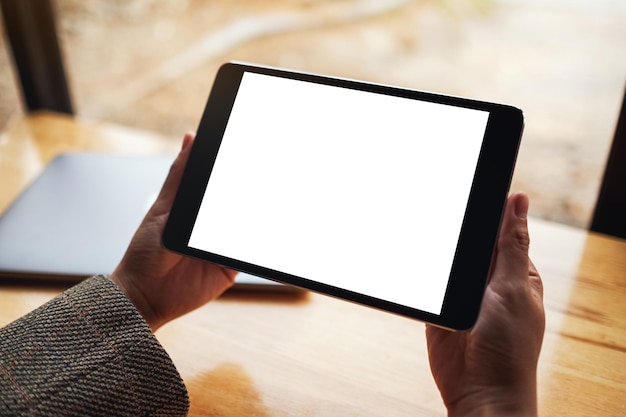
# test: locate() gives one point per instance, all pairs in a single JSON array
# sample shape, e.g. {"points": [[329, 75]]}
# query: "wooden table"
{"points": [[271, 354]]}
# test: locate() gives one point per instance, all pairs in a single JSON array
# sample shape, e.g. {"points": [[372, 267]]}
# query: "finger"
{"points": [[512, 262]]}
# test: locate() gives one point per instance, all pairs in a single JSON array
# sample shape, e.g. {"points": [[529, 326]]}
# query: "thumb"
{"points": [[512, 262], [168, 191]]}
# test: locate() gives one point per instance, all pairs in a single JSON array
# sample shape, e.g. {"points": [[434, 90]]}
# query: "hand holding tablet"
{"points": [[379, 195]]}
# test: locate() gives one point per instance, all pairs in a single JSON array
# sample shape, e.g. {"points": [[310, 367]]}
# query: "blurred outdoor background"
{"points": [[149, 64]]}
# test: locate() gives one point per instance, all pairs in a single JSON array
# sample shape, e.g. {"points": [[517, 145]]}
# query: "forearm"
{"points": [[87, 352]]}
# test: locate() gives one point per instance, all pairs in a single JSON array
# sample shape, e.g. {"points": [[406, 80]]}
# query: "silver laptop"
{"points": [[77, 218]]}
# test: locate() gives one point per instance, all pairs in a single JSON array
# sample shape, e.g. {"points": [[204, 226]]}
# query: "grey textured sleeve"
{"points": [[87, 352]]}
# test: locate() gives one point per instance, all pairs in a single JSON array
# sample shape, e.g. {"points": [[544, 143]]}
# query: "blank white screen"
{"points": [[353, 189]]}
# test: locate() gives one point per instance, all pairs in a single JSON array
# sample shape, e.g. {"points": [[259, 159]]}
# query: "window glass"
{"points": [[150, 65], [11, 102]]}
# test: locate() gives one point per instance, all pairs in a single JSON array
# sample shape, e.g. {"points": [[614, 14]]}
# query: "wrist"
{"points": [[518, 403], [494, 411], [136, 297]]}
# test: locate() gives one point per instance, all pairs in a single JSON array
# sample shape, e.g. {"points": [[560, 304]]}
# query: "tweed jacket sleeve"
{"points": [[87, 352]]}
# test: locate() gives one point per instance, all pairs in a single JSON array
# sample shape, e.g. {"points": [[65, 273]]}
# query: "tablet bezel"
{"points": [[481, 222]]}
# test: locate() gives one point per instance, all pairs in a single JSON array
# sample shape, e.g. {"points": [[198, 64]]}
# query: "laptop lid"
{"points": [[78, 217]]}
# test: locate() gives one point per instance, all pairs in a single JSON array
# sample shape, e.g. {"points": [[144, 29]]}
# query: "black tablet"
{"points": [[374, 194]]}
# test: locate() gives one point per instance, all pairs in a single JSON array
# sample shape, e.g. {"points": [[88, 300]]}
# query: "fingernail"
{"points": [[521, 206], [186, 141]]}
